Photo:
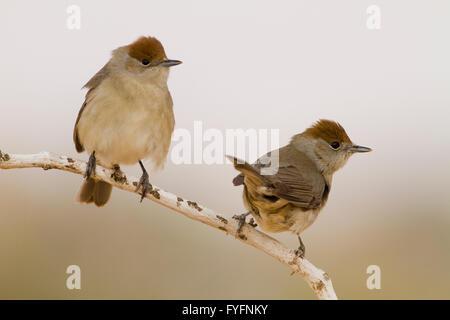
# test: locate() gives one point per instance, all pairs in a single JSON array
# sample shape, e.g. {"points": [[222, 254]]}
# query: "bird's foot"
{"points": [[90, 166], [118, 175], [241, 219], [300, 252], [144, 182]]}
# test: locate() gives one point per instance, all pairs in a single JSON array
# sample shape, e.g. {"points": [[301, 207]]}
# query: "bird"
{"points": [[127, 116], [286, 188]]}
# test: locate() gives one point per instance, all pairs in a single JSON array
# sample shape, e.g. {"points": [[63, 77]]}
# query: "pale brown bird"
{"points": [[127, 115], [291, 198]]}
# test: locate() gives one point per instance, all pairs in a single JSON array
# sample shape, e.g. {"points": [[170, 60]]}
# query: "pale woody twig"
{"points": [[317, 279]]}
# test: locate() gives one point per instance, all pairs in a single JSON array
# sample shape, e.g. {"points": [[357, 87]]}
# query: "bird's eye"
{"points": [[335, 145], [145, 62]]}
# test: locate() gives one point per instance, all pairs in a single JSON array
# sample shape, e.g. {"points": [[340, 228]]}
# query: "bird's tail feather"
{"points": [[98, 192], [248, 171]]}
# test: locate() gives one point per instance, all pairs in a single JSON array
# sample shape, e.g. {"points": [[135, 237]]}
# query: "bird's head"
{"points": [[145, 58], [327, 144]]}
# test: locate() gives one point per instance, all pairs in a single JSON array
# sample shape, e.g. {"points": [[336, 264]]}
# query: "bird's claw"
{"points": [[241, 219], [90, 166], [300, 253], [145, 184]]}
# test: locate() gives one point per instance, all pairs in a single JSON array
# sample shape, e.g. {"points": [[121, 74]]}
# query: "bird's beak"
{"points": [[170, 63], [356, 148]]}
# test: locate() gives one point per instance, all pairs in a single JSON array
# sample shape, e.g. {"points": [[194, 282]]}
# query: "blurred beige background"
{"points": [[247, 64]]}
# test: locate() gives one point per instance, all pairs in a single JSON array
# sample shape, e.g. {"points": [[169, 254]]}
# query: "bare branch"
{"points": [[317, 279]]}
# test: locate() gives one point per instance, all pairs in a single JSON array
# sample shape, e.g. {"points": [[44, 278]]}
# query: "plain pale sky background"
{"points": [[246, 64]]}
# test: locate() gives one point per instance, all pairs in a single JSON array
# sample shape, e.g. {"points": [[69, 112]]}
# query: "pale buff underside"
{"points": [[126, 120], [289, 218]]}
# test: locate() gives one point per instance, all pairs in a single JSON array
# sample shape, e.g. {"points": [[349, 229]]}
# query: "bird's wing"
{"points": [[98, 77], [304, 189], [76, 138], [290, 184], [93, 83]]}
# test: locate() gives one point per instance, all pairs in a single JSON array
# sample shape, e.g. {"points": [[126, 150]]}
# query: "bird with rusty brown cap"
{"points": [[127, 116], [287, 188]]}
